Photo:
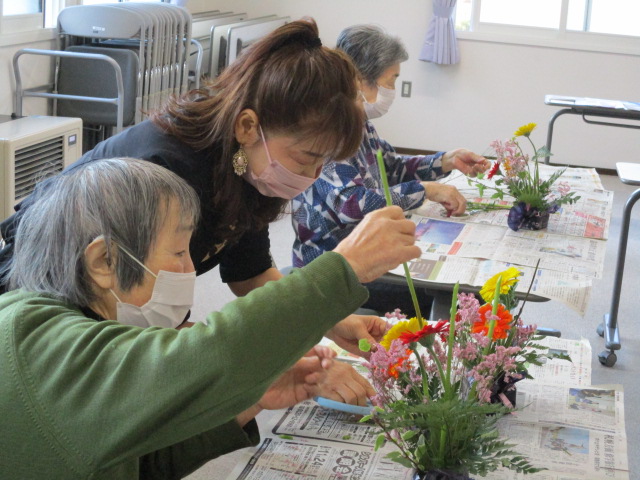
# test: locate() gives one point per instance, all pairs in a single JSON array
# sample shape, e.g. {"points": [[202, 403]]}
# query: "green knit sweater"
{"points": [[83, 399]]}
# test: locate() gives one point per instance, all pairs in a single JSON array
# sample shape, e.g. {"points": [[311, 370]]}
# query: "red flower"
{"points": [[494, 169], [410, 337], [502, 326]]}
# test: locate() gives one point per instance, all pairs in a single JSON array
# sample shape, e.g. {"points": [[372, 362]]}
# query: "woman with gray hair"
{"points": [[90, 389], [349, 189]]}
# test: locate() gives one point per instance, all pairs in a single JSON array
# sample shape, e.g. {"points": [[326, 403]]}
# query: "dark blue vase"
{"points": [[526, 217], [506, 388], [440, 475]]}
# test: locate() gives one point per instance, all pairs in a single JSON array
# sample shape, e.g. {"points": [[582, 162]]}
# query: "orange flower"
{"points": [[502, 326], [393, 369]]}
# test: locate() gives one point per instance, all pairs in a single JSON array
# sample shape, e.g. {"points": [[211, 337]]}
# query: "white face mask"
{"points": [[170, 301], [382, 104]]}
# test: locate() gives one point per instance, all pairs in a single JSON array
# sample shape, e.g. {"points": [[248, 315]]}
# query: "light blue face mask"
{"points": [[170, 301]]}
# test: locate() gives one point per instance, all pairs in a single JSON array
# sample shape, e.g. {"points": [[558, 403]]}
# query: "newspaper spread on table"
{"points": [[471, 248], [564, 424], [588, 217]]}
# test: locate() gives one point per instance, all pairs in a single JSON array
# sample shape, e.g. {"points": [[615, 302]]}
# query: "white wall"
{"points": [[495, 88]]}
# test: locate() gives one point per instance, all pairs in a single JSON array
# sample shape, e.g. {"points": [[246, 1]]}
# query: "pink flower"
{"points": [[468, 306], [563, 188]]}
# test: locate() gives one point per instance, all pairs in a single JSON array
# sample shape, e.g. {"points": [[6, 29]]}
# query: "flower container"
{"points": [[504, 391], [441, 475], [525, 217]]}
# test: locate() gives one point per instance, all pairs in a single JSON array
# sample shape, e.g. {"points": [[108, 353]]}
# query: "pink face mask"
{"points": [[278, 181]]}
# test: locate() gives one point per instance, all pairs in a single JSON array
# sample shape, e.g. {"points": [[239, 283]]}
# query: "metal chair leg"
{"points": [[609, 327], [550, 130]]}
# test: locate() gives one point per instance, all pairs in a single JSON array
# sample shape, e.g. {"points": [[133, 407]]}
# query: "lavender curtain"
{"points": [[440, 44]]}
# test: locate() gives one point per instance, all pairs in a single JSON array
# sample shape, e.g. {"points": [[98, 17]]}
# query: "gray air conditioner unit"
{"points": [[31, 149]]}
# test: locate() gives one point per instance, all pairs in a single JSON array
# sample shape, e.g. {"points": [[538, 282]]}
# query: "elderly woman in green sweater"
{"points": [[94, 387]]}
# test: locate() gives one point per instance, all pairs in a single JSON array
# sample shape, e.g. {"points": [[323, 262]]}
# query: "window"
{"points": [[608, 25], [17, 7], [20, 15], [36, 16]]}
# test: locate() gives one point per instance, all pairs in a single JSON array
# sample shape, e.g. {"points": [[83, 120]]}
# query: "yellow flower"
{"points": [[412, 325], [525, 130], [509, 277]]}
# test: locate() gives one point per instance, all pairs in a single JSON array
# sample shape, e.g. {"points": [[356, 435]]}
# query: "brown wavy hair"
{"points": [[296, 87]]}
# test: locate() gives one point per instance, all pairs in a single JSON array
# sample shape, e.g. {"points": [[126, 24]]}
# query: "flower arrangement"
{"points": [[517, 174], [442, 387]]}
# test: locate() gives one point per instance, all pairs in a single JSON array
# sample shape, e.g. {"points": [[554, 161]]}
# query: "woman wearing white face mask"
{"points": [[249, 142], [92, 389], [348, 189]]}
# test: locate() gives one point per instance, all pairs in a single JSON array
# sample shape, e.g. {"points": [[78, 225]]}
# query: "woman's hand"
{"points": [[469, 163], [300, 381], [380, 242], [447, 195], [343, 384], [349, 331], [317, 374]]}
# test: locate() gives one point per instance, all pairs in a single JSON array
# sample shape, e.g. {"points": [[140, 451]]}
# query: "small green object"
{"points": [[366, 418], [346, 437], [364, 345], [286, 437]]}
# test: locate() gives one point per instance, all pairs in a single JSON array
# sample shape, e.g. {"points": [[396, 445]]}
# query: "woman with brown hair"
{"points": [[247, 143]]}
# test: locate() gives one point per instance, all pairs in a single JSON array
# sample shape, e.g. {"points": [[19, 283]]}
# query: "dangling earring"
{"points": [[240, 161]]}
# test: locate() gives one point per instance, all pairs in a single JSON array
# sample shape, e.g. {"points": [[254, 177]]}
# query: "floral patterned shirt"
{"points": [[348, 189]]}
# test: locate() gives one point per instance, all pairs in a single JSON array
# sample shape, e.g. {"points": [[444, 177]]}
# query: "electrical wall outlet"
{"points": [[406, 89]]}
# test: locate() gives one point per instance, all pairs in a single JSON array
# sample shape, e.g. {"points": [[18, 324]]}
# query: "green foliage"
{"points": [[472, 442]]}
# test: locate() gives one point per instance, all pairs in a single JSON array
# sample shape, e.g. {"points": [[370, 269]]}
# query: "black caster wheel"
{"points": [[600, 330], [607, 358]]}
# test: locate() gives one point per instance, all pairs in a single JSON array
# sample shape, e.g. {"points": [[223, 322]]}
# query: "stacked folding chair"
{"points": [[118, 62], [159, 34]]}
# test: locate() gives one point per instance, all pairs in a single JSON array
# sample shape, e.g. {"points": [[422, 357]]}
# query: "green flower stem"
{"points": [[423, 373], [487, 206], [528, 181], [443, 443], [407, 274], [452, 330], [494, 310], [447, 382], [536, 177], [436, 360]]}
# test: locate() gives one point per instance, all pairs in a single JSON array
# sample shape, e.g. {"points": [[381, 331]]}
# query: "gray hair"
{"points": [[123, 199], [372, 50]]}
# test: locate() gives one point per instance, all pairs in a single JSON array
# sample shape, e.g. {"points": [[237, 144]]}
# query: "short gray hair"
{"points": [[124, 199], [372, 50]]}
